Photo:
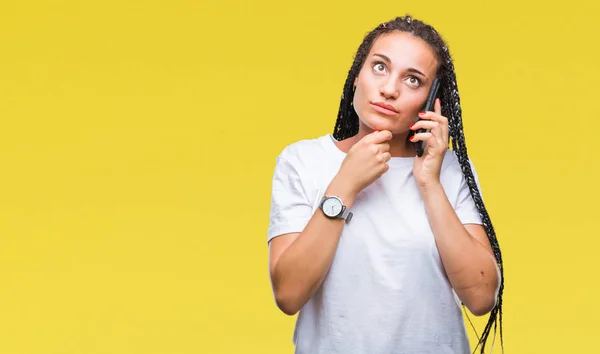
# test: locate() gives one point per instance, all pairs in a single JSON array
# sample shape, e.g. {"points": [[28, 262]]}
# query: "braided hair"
{"points": [[347, 125]]}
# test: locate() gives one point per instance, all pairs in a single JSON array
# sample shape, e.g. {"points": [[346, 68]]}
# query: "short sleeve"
{"points": [[465, 209], [290, 207]]}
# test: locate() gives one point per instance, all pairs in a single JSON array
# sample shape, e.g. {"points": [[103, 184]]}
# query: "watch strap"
{"points": [[346, 215]]}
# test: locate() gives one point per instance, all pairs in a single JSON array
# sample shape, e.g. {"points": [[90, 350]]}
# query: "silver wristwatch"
{"points": [[333, 208]]}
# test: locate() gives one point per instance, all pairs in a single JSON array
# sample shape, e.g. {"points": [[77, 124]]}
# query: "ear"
{"points": [[356, 81]]}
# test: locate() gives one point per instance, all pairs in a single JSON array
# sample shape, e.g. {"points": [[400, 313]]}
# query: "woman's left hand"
{"points": [[426, 168]]}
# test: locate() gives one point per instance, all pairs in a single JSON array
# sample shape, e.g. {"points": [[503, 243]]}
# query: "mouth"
{"points": [[384, 108]]}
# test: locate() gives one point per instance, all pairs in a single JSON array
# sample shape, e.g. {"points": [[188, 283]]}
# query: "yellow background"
{"points": [[138, 140]]}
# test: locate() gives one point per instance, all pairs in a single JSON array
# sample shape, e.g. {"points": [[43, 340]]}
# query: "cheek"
{"points": [[414, 103], [358, 101], [365, 90], [364, 86]]}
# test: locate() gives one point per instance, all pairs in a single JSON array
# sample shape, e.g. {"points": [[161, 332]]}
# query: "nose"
{"points": [[389, 89]]}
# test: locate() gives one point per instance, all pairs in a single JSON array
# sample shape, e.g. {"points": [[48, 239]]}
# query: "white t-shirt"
{"points": [[386, 291]]}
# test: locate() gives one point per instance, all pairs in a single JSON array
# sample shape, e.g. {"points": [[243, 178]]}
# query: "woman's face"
{"points": [[398, 72]]}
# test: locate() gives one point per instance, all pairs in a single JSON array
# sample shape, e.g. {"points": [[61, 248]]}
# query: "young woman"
{"points": [[375, 246]]}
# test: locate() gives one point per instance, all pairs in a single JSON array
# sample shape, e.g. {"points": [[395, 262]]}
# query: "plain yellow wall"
{"points": [[138, 141]]}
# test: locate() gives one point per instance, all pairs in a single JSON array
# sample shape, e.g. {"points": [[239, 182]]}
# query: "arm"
{"points": [[465, 252], [299, 262]]}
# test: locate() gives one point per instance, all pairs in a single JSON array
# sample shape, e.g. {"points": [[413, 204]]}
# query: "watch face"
{"points": [[332, 207]]}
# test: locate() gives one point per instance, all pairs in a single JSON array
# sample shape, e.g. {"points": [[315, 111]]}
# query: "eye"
{"points": [[379, 67], [413, 81]]}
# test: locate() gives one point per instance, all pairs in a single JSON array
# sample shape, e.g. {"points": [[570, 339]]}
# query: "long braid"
{"points": [[344, 127], [347, 125], [460, 149]]}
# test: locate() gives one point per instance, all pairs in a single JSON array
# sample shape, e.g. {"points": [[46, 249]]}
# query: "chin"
{"points": [[381, 123]]}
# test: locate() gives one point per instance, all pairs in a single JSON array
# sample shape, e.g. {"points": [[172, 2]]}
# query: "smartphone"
{"points": [[433, 94]]}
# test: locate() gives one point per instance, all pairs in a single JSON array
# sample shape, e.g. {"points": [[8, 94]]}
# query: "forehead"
{"points": [[406, 50]]}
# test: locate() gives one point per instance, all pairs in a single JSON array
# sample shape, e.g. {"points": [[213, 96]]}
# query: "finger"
{"points": [[384, 147], [379, 148], [433, 140], [430, 140], [424, 124], [430, 137], [435, 117], [443, 120], [384, 157], [444, 135], [385, 168], [378, 137], [437, 106], [426, 136], [434, 128]]}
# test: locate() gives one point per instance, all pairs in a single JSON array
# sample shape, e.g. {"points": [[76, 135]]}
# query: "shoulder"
{"points": [[302, 152], [453, 171], [455, 177], [452, 164]]}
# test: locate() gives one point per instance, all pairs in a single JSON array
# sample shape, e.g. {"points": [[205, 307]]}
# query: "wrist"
{"points": [[340, 188], [430, 187]]}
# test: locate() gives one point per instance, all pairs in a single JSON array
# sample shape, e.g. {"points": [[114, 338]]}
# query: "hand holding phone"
{"points": [[433, 94]]}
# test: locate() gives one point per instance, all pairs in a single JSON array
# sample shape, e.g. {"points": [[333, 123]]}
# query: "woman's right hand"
{"points": [[366, 161]]}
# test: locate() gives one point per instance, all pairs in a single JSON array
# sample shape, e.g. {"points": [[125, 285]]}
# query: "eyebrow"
{"points": [[412, 70]]}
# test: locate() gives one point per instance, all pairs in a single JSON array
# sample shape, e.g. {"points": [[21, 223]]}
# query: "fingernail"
{"points": [[412, 137], [421, 113], [412, 125]]}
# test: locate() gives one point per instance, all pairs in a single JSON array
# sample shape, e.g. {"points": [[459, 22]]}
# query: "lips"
{"points": [[384, 108]]}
